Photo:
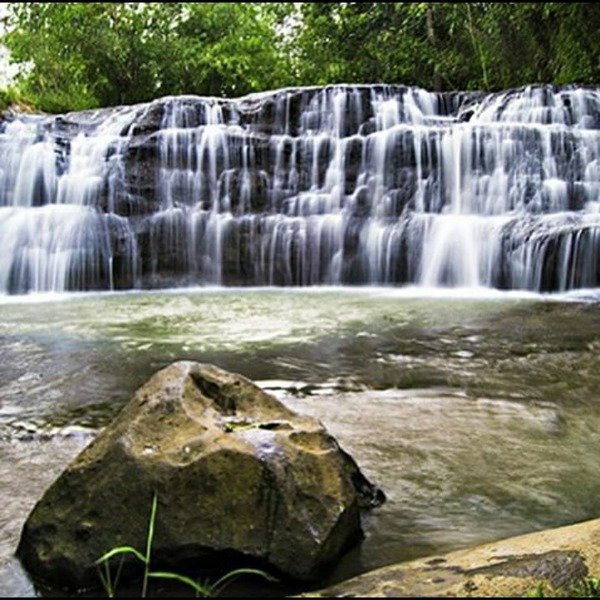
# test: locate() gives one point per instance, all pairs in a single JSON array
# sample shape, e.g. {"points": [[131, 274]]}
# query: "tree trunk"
{"points": [[437, 80]]}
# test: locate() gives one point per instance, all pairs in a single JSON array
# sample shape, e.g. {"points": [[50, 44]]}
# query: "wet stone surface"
{"points": [[558, 568]]}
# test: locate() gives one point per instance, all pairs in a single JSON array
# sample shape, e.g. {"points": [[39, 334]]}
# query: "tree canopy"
{"points": [[83, 55], [445, 46]]}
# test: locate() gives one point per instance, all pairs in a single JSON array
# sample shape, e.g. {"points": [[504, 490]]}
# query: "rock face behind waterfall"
{"points": [[337, 185], [234, 471]]}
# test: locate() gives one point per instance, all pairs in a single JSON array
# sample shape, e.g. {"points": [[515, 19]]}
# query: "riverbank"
{"points": [[550, 561]]}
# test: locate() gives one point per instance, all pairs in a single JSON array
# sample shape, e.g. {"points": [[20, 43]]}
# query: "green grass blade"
{"points": [[151, 528], [200, 589], [106, 580], [224, 581], [121, 550], [204, 590], [149, 540]]}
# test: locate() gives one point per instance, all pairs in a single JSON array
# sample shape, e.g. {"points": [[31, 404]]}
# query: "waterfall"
{"points": [[386, 185]]}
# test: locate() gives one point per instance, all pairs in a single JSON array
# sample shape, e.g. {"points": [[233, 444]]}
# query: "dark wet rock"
{"points": [[558, 568], [234, 470], [338, 184]]}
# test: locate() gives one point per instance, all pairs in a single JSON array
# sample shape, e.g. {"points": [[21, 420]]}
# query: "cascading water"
{"points": [[335, 185]]}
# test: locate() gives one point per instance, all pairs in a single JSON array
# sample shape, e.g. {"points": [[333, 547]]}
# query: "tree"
{"points": [[79, 55], [84, 55], [415, 43], [577, 46], [443, 45], [225, 49]]}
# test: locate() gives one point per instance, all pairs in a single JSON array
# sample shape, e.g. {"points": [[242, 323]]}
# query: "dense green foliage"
{"points": [[97, 54], [78, 55], [477, 45]]}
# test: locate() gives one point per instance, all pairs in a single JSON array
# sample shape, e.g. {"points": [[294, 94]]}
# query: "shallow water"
{"points": [[478, 413]]}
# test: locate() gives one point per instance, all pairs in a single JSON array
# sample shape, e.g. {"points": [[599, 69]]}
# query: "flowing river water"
{"points": [[477, 412]]}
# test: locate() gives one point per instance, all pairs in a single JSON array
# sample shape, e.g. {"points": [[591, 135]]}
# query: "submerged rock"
{"points": [[234, 470]]}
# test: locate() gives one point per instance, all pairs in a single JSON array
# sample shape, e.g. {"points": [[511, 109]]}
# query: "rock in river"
{"points": [[234, 470]]}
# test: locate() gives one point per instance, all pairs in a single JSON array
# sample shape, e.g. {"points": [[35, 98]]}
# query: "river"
{"points": [[476, 411]]}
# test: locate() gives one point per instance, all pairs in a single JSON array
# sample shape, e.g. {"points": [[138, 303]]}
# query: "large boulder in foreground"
{"points": [[235, 471]]}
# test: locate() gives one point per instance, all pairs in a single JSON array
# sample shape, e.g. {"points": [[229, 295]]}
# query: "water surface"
{"points": [[477, 413]]}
